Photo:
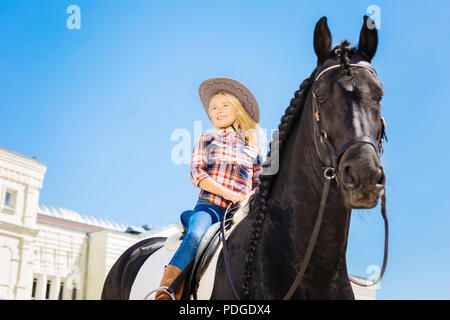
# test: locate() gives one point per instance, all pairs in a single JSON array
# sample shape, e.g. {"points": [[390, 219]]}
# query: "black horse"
{"points": [[284, 208]]}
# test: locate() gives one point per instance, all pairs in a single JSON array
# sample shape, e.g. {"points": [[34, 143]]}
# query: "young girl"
{"points": [[225, 165]]}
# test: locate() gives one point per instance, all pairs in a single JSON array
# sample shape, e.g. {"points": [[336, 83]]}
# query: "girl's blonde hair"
{"points": [[245, 124]]}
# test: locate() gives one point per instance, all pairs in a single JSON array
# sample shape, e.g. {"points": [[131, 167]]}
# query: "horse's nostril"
{"points": [[348, 177], [347, 170], [382, 178]]}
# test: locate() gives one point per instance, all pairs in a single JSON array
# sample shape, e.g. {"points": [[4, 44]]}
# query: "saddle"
{"points": [[206, 249]]}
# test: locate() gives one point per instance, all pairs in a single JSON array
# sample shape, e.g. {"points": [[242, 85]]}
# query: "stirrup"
{"points": [[164, 289]]}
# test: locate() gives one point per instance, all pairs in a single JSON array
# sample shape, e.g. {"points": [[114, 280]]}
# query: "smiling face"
{"points": [[221, 111]]}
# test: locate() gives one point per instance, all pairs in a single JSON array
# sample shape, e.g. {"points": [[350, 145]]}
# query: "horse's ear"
{"points": [[368, 39], [322, 40]]}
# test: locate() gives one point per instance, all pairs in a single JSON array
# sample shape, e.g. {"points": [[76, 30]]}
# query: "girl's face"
{"points": [[222, 112]]}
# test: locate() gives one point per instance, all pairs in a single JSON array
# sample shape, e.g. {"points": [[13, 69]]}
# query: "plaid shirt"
{"points": [[227, 159]]}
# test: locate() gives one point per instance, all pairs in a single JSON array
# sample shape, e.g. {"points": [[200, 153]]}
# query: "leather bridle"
{"points": [[331, 160]]}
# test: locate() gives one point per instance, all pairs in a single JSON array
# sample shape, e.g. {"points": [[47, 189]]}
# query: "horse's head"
{"points": [[347, 94]]}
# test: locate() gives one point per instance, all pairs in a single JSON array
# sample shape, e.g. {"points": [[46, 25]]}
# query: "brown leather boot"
{"points": [[170, 274]]}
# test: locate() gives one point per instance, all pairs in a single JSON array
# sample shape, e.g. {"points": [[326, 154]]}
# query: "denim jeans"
{"points": [[196, 221]]}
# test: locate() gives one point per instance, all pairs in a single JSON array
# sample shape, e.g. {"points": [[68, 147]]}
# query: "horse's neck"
{"points": [[295, 198]]}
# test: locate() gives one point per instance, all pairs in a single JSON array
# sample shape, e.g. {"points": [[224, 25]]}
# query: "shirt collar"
{"points": [[230, 133], [225, 133]]}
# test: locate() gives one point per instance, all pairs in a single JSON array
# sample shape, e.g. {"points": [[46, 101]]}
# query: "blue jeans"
{"points": [[196, 221]]}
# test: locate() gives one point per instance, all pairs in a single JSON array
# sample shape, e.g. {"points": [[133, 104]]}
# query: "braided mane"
{"points": [[258, 201], [344, 52]]}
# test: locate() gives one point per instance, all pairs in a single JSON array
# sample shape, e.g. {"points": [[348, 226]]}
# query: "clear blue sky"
{"points": [[98, 106]]}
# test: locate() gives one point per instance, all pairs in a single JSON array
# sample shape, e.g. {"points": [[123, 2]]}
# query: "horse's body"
{"points": [[284, 208], [286, 231]]}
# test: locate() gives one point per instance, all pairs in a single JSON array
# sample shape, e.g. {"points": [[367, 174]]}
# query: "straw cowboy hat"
{"points": [[210, 87]]}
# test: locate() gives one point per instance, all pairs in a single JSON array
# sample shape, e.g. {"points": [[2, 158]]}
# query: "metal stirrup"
{"points": [[164, 289]]}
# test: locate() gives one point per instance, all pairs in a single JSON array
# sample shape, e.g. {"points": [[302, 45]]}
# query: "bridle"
{"points": [[331, 160]]}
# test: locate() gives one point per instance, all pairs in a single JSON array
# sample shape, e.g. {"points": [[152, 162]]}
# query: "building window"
{"points": [[74, 293], [47, 290], [9, 202], [8, 199], [33, 290], [61, 291]]}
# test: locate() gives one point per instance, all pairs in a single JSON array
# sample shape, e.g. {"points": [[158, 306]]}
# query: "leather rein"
{"points": [[331, 160]]}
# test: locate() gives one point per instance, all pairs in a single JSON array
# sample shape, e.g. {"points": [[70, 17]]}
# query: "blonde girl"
{"points": [[225, 165]]}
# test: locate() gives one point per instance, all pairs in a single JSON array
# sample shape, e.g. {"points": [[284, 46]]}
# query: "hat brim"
{"points": [[210, 87]]}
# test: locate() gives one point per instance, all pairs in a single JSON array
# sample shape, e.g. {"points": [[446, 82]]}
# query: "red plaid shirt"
{"points": [[227, 159]]}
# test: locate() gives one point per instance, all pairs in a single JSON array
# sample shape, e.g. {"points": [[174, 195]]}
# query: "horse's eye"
{"points": [[376, 98], [321, 99]]}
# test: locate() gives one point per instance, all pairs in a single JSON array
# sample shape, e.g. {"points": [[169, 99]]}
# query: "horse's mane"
{"points": [[258, 201], [344, 52]]}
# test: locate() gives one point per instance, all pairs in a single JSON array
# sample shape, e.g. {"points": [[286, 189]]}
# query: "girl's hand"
{"points": [[249, 194], [233, 196]]}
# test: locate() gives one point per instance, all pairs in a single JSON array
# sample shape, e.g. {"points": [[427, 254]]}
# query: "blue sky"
{"points": [[98, 106]]}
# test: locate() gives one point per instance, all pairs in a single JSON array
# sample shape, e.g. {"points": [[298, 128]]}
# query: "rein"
{"points": [[333, 157], [330, 172]]}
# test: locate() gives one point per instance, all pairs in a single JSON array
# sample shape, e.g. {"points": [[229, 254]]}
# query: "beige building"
{"points": [[56, 253]]}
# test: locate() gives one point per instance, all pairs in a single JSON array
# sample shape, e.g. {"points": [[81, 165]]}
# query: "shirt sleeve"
{"points": [[257, 169], [199, 161]]}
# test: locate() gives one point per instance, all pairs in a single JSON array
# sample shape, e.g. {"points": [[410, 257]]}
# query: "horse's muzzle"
{"points": [[362, 198]]}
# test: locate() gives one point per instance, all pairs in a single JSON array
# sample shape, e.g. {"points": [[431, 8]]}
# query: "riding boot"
{"points": [[170, 274]]}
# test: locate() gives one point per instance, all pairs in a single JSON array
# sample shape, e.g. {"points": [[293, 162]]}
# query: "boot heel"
{"points": [[162, 293]]}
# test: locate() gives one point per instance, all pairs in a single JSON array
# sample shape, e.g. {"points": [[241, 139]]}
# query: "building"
{"points": [[56, 253], [73, 253]]}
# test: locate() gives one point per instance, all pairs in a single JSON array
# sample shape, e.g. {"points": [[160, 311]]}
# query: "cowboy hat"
{"points": [[210, 87]]}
